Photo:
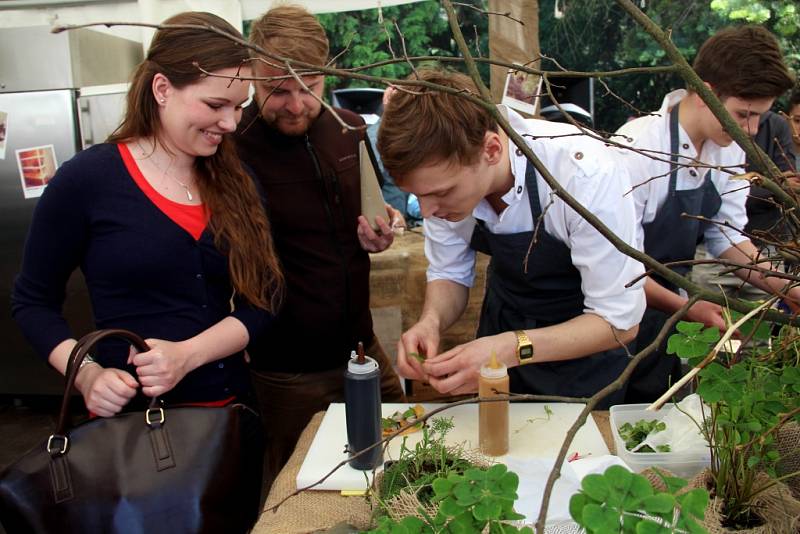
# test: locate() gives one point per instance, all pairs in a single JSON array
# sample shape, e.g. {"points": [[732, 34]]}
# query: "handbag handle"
{"points": [[79, 352]]}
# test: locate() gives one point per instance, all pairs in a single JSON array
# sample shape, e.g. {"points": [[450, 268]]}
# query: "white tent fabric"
{"points": [[516, 43]]}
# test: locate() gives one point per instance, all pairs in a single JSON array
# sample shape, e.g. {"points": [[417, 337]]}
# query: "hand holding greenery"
{"points": [[417, 356]]}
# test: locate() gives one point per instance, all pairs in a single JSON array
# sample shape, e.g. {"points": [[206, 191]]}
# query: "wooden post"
{"points": [[511, 41]]}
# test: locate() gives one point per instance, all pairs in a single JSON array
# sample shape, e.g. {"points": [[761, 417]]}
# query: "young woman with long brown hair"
{"points": [[168, 230]]}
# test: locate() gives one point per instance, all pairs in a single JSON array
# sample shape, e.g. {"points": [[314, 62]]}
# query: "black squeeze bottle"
{"points": [[362, 403]]}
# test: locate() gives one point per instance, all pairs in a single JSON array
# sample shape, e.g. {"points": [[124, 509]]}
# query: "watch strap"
{"points": [[524, 347]]}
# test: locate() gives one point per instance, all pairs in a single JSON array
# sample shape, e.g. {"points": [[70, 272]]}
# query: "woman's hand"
{"points": [[162, 367], [105, 390]]}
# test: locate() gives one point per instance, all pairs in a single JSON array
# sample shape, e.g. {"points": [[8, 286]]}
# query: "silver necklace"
{"points": [[166, 173]]}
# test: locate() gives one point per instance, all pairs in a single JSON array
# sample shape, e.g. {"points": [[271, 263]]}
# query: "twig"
{"points": [[346, 48], [405, 52], [507, 14], [535, 236], [733, 266], [624, 102], [785, 418], [381, 21]]}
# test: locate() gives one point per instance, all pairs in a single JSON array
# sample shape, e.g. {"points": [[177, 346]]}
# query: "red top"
{"points": [[192, 218], [208, 404]]}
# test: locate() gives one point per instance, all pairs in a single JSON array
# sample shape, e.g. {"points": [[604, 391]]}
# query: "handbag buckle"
{"points": [[64, 445], [149, 421]]}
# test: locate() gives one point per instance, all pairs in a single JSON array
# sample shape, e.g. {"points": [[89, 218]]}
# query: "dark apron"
{"points": [[549, 293], [669, 237]]}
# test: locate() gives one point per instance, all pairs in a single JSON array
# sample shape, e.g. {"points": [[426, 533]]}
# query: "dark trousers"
{"points": [[287, 401]]}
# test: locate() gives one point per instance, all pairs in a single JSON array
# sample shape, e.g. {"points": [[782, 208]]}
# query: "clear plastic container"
{"points": [[682, 464]]}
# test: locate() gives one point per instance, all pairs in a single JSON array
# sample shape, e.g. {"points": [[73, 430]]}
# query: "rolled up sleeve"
{"points": [[448, 252], [605, 271]]}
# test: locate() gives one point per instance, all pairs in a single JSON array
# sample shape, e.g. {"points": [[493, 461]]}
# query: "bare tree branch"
{"points": [[507, 14]]}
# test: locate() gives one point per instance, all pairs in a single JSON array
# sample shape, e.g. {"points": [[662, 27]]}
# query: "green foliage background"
{"points": [[597, 35], [425, 32]]}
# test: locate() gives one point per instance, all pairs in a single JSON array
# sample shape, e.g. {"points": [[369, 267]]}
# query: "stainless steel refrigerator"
{"points": [[58, 95]]}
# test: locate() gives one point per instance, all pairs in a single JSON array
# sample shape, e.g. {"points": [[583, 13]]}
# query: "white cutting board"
{"points": [[531, 435]]}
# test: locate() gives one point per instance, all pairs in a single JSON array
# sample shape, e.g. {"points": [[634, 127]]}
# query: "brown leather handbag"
{"points": [[164, 469]]}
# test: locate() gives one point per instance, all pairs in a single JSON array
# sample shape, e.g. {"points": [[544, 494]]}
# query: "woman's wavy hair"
{"points": [[238, 219]]}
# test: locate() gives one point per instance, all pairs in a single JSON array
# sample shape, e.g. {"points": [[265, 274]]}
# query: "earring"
{"points": [[163, 100]]}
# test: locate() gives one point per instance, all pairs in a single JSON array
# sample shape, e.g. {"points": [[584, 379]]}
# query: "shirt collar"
{"points": [[670, 100], [685, 145]]}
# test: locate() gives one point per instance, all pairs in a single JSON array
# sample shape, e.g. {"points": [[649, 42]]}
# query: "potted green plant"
{"points": [[751, 396], [619, 501], [433, 487]]}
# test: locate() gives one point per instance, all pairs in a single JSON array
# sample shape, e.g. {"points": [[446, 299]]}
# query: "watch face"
{"points": [[525, 352]]}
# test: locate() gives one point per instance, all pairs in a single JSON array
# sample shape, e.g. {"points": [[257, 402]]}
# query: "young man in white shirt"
{"points": [[555, 301], [682, 164]]}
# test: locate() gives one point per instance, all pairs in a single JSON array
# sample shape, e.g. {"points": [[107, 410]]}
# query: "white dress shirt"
{"points": [[583, 167], [651, 177]]}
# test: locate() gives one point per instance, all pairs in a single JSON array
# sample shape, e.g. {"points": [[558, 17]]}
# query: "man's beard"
{"points": [[291, 125]]}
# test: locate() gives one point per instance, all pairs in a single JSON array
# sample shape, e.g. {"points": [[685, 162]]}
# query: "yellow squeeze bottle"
{"points": [[493, 416]]}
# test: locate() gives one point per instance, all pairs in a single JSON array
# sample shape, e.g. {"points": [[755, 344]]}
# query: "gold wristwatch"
{"points": [[524, 347]]}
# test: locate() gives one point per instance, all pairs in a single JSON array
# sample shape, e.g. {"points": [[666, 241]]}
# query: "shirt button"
{"points": [[686, 146], [578, 155], [519, 152], [693, 173], [204, 306], [221, 365], [519, 189], [199, 276]]}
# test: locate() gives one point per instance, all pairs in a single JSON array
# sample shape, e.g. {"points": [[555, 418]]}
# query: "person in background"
{"points": [[168, 231], [774, 137], [393, 195], [556, 310], [793, 118], [745, 69], [765, 219], [308, 167]]}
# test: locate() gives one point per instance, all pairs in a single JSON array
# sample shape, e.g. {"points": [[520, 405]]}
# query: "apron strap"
{"points": [[533, 191], [674, 147]]}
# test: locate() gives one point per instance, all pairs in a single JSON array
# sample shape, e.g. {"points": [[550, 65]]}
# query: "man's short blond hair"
{"points": [[291, 31], [425, 126]]}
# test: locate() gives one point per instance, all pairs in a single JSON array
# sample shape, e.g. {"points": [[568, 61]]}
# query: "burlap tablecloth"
{"points": [[312, 511]]}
